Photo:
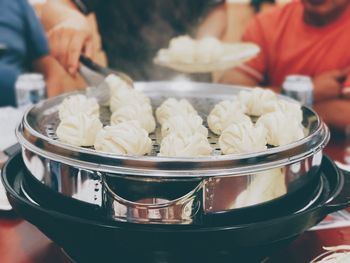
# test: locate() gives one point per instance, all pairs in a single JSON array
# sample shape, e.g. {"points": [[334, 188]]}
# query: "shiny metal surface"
{"points": [[219, 193], [37, 133], [159, 201], [71, 181], [221, 182]]}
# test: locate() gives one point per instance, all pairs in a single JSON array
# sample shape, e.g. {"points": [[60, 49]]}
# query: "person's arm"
{"points": [[68, 31], [53, 78], [214, 24], [335, 112], [238, 77], [253, 72], [53, 12], [57, 79], [329, 85]]}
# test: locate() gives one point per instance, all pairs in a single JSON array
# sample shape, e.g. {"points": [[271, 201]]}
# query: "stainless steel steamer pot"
{"points": [[153, 189]]}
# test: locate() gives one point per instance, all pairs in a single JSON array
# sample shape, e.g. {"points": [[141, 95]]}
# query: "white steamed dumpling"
{"points": [[292, 109], [224, 114], [188, 124], [281, 128], [182, 49], [258, 101], [185, 49], [243, 138], [209, 49], [142, 113], [123, 97], [77, 104], [183, 145], [79, 129], [126, 138], [173, 107], [115, 83]]}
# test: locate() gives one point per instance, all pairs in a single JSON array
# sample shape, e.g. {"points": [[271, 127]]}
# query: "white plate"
{"points": [[233, 55]]}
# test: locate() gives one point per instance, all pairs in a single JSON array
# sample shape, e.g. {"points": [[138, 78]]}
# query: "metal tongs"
{"points": [[95, 75]]}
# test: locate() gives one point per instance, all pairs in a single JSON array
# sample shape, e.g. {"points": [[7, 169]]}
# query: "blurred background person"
{"points": [[131, 31], [228, 22], [24, 45], [305, 38]]}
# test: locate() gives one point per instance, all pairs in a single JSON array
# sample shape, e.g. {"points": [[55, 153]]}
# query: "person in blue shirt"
{"points": [[23, 43]]}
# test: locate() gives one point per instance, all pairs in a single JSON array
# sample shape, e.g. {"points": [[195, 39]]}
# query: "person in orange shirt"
{"points": [[310, 37]]}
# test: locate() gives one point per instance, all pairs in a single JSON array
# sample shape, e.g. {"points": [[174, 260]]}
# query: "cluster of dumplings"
{"points": [[185, 49], [131, 121], [182, 130], [278, 122]]}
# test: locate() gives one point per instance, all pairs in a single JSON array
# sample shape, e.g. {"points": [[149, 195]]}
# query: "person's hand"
{"points": [[346, 88], [329, 85], [69, 39], [57, 79]]}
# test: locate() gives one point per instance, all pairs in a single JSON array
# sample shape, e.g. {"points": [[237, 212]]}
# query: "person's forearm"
{"points": [[55, 11], [57, 79], [69, 33], [236, 77], [336, 112], [45, 66], [326, 94], [214, 24]]}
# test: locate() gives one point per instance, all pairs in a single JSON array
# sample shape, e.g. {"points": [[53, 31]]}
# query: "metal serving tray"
{"points": [[37, 133]]}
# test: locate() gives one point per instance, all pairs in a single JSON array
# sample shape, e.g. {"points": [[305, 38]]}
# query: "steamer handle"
{"points": [[183, 199], [342, 200]]}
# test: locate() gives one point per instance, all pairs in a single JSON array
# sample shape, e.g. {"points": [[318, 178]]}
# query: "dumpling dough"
{"points": [[264, 186], [173, 107], [185, 49], [209, 49], [182, 49], [188, 124], [142, 113], [258, 101], [292, 109], [224, 114], [79, 129], [77, 104], [115, 83], [281, 128], [182, 145], [123, 97], [126, 138], [243, 138]]}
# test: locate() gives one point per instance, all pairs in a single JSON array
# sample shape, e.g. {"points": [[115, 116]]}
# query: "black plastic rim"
{"points": [[16, 163]]}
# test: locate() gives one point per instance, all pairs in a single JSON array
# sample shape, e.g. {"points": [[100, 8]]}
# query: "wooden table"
{"points": [[21, 242]]}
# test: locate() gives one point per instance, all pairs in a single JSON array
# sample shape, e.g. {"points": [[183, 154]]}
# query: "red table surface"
{"points": [[21, 242]]}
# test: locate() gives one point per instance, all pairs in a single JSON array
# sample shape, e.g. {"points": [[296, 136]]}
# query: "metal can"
{"points": [[30, 89], [300, 88]]}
